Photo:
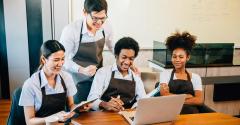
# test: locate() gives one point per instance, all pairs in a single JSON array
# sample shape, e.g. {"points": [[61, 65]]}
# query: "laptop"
{"points": [[155, 109]]}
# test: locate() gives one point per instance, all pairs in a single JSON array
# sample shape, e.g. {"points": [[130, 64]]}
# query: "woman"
{"points": [[179, 80], [48, 90]]}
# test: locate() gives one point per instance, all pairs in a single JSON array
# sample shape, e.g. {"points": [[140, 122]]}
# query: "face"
{"points": [[96, 19], [54, 62], [125, 59], [179, 58]]}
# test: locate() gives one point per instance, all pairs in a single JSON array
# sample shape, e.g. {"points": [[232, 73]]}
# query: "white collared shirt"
{"points": [[70, 40], [31, 94], [102, 79], [195, 79]]}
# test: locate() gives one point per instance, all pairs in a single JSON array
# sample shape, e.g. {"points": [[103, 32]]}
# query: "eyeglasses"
{"points": [[95, 19]]}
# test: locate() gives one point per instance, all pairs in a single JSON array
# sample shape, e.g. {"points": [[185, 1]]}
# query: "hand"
{"points": [[89, 70], [115, 104], [164, 89], [135, 70], [63, 116], [85, 108]]}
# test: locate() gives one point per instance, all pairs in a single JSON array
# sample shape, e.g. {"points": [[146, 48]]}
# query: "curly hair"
{"points": [[126, 43], [181, 40]]}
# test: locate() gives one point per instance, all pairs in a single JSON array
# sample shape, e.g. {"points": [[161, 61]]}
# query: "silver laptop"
{"points": [[155, 110]]}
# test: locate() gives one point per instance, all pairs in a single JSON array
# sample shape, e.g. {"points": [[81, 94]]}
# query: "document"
{"points": [[82, 104]]}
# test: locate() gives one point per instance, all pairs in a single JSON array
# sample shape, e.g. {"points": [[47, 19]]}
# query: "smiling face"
{"points": [[125, 59], [95, 19], [179, 58], [53, 64]]}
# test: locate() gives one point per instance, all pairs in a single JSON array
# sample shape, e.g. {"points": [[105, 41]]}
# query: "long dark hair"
{"points": [[49, 47]]}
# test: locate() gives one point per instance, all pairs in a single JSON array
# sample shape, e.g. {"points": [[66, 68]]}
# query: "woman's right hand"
{"points": [[164, 89], [89, 70]]}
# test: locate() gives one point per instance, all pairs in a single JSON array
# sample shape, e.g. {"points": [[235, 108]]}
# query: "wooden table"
{"points": [[111, 118]]}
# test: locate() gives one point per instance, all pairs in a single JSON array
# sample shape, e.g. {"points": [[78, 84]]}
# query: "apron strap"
{"points": [[188, 75], [80, 39], [43, 88]]}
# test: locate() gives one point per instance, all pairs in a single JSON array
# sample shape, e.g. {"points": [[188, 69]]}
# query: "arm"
{"points": [[140, 91], [195, 100], [197, 85], [67, 39], [109, 37], [29, 112], [100, 83], [97, 88]]}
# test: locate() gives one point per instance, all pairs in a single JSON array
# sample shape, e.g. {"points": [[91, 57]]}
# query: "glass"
{"points": [[95, 19]]}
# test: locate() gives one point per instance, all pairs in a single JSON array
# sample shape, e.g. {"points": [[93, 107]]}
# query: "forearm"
{"points": [[36, 121], [194, 101]]}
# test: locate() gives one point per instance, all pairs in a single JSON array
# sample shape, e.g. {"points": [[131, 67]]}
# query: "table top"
{"points": [[113, 118]]}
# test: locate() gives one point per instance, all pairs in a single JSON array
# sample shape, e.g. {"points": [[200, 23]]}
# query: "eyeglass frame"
{"points": [[95, 19]]}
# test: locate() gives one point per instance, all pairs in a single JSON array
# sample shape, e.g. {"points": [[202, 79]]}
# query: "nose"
{"points": [[60, 63]]}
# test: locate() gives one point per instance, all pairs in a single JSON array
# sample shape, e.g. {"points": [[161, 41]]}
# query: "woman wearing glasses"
{"points": [[84, 42]]}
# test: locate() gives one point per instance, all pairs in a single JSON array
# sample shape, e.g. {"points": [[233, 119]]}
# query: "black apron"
{"points": [[89, 53], [179, 86], [53, 103], [124, 88]]}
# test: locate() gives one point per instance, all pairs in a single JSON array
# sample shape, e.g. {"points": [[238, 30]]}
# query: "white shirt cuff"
{"points": [[96, 105]]}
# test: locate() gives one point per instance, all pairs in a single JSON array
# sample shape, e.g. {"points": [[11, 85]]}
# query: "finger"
{"points": [[118, 101]]}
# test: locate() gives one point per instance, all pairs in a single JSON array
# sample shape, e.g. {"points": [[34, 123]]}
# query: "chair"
{"points": [[16, 116], [202, 108]]}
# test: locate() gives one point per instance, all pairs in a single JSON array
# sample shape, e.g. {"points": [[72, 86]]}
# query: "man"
{"points": [[116, 86], [84, 42]]}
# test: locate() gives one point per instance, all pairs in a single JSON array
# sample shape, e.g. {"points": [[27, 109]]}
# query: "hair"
{"points": [[49, 47], [126, 43], [95, 5], [181, 40]]}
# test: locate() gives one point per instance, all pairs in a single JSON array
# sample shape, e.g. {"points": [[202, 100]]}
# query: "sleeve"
{"points": [[164, 77], [197, 82], [97, 88], [140, 91], [109, 38], [67, 39], [27, 95], [71, 87]]}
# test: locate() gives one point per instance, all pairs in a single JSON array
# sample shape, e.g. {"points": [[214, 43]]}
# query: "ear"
{"points": [[85, 12], [188, 57], [43, 59]]}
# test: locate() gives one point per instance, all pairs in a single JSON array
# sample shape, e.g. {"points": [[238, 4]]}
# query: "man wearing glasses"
{"points": [[84, 42]]}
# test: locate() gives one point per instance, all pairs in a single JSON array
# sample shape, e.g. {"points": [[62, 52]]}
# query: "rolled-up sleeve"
{"points": [[71, 87], [67, 39], [97, 88], [140, 91]]}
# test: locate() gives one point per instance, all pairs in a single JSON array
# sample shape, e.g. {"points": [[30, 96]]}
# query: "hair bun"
{"points": [[180, 40]]}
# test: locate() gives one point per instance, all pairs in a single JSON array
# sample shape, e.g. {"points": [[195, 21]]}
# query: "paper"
{"points": [[82, 104]]}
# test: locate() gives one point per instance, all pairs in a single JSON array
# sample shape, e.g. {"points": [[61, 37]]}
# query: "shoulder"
{"points": [[166, 73], [195, 76], [32, 82], [107, 27], [105, 69], [65, 74], [74, 26]]}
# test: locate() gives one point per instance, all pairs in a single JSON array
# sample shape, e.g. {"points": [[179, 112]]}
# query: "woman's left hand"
{"points": [[63, 116]]}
